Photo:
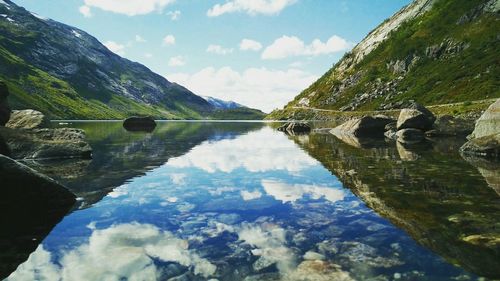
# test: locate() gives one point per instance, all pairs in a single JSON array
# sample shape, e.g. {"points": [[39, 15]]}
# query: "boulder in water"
{"points": [[485, 140], [146, 124], [46, 143], [368, 126], [295, 128], [415, 116]]}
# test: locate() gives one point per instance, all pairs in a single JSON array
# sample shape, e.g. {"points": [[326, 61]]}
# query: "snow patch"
{"points": [[76, 33], [37, 16]]}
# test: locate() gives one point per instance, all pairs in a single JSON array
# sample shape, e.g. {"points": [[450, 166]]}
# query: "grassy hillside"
{"points": [[68, 74], [445, 55]]}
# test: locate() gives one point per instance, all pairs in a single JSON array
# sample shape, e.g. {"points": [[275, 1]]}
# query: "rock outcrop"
{"points": [[485, 140], [32, 204], [46, 143], [367, 126], [135, 123], [4, 105], [27, 119]]}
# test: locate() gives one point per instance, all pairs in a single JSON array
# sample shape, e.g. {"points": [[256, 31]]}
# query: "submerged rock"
{"points": [[32, 204], [4, 105], [295, 128], [46, 143], [367, 126], [134, 124], [415, 116], [27, 119]]}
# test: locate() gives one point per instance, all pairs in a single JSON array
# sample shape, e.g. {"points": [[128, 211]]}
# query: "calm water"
{"points": [[241, 201]]}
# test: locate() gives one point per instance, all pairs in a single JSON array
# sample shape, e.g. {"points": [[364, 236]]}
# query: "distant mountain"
{"points": [[222, 104], [432, 51], [66, 73]]}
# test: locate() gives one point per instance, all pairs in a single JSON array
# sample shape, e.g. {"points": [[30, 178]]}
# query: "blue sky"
{"points": [[201, 43]]}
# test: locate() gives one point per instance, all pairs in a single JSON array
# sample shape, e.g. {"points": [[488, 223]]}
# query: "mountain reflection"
{"points": [[427, 189]]}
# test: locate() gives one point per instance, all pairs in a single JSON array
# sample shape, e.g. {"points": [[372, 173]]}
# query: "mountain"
{"points": [[222, 104], [431, 51], [68, 74]]}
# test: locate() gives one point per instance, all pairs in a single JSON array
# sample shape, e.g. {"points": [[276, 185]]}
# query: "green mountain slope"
{"points": [[432, 51], [68, 74]]}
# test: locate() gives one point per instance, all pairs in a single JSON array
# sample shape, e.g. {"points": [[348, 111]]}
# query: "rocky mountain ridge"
{"points": [[432, 52]]}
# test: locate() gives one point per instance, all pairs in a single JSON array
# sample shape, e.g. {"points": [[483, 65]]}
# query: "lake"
{"points": [[242, 201]]}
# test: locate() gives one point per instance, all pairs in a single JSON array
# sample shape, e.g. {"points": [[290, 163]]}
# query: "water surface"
{"points": [[241, 201]]}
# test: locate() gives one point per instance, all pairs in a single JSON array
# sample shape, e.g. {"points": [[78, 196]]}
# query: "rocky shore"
{"points": [[417, 124], [32, 203]]}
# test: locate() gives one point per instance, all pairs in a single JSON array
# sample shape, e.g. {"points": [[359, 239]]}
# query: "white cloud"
{"points": [[292, 192], [128, 7], [250, 45], [251, 7], [85, 11], [176, 61], [148, 55], [231, 154], [138, 38], [125, 251], [261, 88], [174, 15], [116, 48], [291, 46], [219, 50], [250, 195], [169, 40]]}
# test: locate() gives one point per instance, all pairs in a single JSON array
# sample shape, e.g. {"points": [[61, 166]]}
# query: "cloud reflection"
{"points": [[252, 152], [292, 192], [125, 251]]}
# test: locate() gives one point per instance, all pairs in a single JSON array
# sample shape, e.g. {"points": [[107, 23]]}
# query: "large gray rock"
{"points": [[489, 122], [27, 119], [485, 140], [487, 146], [410, 136], [46, 143], [32, 204], [447, 125], [4, 105], [415, 116], [367, 126]]}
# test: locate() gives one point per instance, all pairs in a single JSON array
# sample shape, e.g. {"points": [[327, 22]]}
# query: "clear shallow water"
{"points": [[201, 201]]}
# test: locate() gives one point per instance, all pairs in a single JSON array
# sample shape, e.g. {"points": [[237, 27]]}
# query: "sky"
{"points": [[260, 53]]}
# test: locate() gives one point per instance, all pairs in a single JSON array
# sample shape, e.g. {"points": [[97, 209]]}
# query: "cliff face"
{"points": [[377, 36], [432, 51]]}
